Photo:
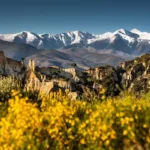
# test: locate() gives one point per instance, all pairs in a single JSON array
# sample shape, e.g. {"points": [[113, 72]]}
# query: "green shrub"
{"points": [[6, 85]]}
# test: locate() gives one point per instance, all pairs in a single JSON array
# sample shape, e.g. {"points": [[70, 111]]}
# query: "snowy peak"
{"points": [[69, 38], [121, 31], [28, 36], [27, 33], [78, 36], [136, 31], [142, 35], [126, 33], [24, 37]]}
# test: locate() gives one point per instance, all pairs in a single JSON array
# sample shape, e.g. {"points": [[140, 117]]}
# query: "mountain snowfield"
{"points": [[94, 50]]}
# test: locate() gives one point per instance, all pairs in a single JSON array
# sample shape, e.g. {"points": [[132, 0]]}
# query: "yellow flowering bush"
{"points": [[59, 123]]}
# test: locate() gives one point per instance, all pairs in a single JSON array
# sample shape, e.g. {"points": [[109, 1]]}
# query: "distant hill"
{"points": [[55, 58], [17, 51]]}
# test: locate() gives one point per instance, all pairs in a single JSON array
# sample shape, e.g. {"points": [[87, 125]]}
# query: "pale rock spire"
{"points": [[31, 65]]}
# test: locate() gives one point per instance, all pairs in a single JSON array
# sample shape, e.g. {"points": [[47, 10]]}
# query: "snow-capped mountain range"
{"points": [[108, 48], [120, 40]]}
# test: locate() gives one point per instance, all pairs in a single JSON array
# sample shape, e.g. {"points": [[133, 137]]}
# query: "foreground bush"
{"points": [[63, 124]]}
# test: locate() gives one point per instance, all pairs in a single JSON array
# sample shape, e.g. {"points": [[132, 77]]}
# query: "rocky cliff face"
{"points": [[131, 76], [136, 76], [105, 77]]}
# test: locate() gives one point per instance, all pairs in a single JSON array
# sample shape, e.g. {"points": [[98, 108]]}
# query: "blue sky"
{"points": [[57, 16]]}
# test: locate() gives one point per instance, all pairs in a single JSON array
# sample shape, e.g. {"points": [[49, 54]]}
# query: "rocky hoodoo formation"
{"points": [[35, 81], [131, 76]]}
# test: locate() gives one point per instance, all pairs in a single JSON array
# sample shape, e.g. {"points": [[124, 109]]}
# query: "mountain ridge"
{"points": [[132, 42], [75, 36]]}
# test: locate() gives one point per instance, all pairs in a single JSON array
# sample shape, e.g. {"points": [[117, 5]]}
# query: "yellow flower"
{"points": [[103, 97], [102, 91], [144, 126], [107, 142], [117, 115], [104, 127], [125, 132], [82, 141]]}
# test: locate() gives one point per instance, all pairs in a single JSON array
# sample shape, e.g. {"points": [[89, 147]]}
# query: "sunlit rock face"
{"points": [[35, 81]]}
